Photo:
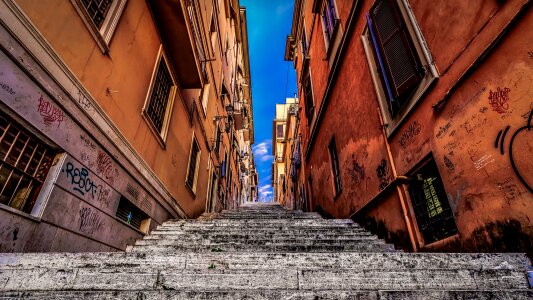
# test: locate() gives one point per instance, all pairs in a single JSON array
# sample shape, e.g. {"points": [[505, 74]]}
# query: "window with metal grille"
{"points": [[97, 10], [329, 19], [130, 214], [194, 162], [160, 96], [24, 164], [430, 203], [400, 67], [335, 166], [308, 99], [218, 140]]}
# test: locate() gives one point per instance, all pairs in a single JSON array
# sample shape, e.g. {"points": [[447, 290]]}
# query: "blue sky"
{"points": [[273, 79]]}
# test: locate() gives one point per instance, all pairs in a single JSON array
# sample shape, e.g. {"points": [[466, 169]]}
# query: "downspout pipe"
{"points": [[399, 180]]}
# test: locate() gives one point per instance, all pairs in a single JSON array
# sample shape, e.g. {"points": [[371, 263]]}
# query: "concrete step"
{"points": [[226, 279], [264, 260], [256, 241], [271, 235], [272, 294], [374, 246]]}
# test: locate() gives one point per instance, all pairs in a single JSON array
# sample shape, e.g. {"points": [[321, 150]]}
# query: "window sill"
{"points": [[130, 226], [437, 244], [20, 213], [191, 191], [157, 134]]}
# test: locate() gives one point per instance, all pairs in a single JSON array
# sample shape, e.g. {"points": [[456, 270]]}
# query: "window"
{"points": [[335, 166], [430, 203], [24, 164], [101, 18], [194, 163], [400, 64], [308, 99], [132, 215], [197, 36], [329, 20], [305, 45], [160, 99], [205, 97], [218, 140], [279, 131]]}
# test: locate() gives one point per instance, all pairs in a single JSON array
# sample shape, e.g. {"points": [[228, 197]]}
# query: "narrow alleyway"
{"points": [[262, 251]]}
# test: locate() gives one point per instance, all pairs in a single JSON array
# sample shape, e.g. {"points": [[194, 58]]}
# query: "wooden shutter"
{"points": [[400, 59]]}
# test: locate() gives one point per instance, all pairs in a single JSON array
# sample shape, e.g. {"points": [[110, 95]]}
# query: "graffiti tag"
{"points": [[104, 166], [498, 100], [410, 133], [7, 88], [50, 113], [384, 174], [80, 180], [90, 220]]}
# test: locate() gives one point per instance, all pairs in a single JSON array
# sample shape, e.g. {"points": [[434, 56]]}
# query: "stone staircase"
{"points": [[262, 251]]}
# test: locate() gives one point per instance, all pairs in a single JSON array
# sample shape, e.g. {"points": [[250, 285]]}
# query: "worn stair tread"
{"points": [[263, 252], [266, 260], [270, 294]]}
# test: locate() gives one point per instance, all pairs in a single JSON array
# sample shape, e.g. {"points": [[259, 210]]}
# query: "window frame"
{"points": [[309, 109], [163, 133], [101, 35], [335, 167], [427, 163], [392, 123], [48, 181], [326, 12], [196, 171]]}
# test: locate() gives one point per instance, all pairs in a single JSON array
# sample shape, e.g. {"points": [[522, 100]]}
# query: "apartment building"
{"points": [[415, 119], [116, 116]]}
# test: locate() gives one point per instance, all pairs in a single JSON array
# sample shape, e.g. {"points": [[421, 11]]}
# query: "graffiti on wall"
{"points": [[509, 189], [356, 171], [51, 114], [384, 174], [80, 180], [449, 164], [90, 220], [104, 166], [499, 100], [7, 88], [410, 133], [523, 134], [83, 101]]}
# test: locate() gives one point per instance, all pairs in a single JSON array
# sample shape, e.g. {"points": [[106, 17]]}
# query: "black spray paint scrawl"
{"points": [[522, 131]]}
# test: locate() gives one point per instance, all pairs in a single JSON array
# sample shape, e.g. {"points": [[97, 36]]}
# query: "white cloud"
{"points": [[265, 193], [262, 151]]}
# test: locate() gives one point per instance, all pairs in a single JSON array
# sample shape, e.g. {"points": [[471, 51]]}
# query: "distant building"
{"points": [[283, 141], [117, 115], [414, 119]]}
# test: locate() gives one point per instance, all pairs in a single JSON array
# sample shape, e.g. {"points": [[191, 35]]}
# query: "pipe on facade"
{"points": [[403, 203], [439, 104]]}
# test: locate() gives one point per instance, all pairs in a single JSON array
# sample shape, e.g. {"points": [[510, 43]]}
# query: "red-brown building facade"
{"points": [[416, 117]]}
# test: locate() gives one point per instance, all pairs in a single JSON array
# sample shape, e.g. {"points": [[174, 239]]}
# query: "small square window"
{"points": [[160, 100], [101, 18], [432, 210], [132, 215]]}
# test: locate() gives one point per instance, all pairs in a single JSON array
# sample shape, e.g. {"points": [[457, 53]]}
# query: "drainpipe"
{"points": [[403, 203]]}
